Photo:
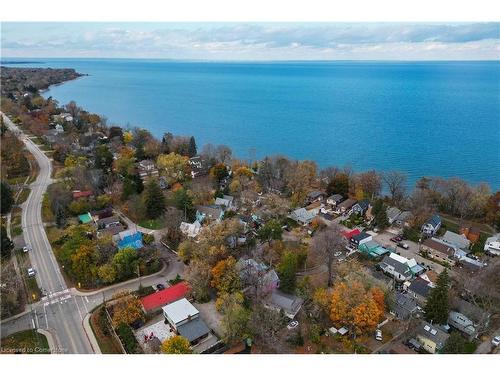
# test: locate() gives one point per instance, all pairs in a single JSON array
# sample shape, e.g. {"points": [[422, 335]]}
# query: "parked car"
{"points": [[471, 256], [396, 239], [26, 249], [495, 341], [293, 324], [338, 253], [160, 286], [31, 272], [378, 335], [403, 245]]}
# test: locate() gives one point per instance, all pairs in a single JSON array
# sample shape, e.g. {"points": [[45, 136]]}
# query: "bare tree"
{"points": [[370, 182], [396, 183], [326, 243]]}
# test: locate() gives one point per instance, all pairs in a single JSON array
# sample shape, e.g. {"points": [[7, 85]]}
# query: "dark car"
{"points": [[160, 286], [396, 239]]}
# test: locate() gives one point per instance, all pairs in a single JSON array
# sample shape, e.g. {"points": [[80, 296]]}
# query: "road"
{"points": [[62, 310]]}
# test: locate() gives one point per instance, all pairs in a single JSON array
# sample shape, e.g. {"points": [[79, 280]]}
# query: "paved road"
{"points": [[62, 310], [64, 317]]}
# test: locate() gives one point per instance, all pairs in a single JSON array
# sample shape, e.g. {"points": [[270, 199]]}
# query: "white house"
{"points": [[190, 230], [303, 216], [432, 225], [492, 244], [180, 312], [396, 266], [226, 201], [456, 239]]}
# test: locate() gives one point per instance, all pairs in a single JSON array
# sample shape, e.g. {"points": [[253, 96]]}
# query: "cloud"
{"points": [[253, 41]]}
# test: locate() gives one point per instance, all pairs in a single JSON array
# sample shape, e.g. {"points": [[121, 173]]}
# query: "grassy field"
{"points": [[151, 224], [33, 290], [25, 342], [105, 339], [15, 223], [23, 196], [47, 215]]}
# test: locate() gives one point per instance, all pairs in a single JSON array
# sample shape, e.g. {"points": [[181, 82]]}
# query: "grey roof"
{"points": [[315, 194], [303, 215], [420, 287], [214, 211], [392, 213], [441, 246], [336, 197], [107, 220], [193, 329], [364, 204], [289, 303], [472, 311], [404, 305], [399, 267], [433, 333], [348, 203], [456, 239]]}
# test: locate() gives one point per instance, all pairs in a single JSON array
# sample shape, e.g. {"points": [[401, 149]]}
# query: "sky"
{"points": [[253, 41]]}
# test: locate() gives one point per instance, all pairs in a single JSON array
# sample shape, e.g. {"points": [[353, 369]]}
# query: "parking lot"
{"points": [[384, 239]]}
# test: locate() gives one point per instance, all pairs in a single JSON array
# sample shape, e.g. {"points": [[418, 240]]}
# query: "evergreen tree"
{"points": [[455, 344], [166, 143], [6, 245], [437, 307], [338, 185], [60, 217], [192, 151], [287, 272], [380, 214], [154, 200], [7, 198]]}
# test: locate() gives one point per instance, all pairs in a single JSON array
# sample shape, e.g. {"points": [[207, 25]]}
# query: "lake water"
{"points": [[423, 118]]}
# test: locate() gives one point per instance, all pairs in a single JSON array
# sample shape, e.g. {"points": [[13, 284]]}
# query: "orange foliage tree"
{"points": [[356, 307], [225, 277]]}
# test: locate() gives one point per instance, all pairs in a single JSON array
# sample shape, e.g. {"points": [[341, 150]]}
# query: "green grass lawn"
{"points": [[33, 290], [25, 342], [23, 196], [151, 224], [47, 215]]}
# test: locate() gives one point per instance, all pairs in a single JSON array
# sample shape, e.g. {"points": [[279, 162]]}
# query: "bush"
{"points": [[127, 338], [296, 339]]}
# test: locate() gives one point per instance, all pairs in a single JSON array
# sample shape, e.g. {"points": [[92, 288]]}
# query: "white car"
{"points": [[26, 249], [31, 272], [293, 324], [378, 335], [495, 341], [338, 253]]}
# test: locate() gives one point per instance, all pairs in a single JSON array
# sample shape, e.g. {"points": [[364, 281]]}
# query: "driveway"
{"points": [[384, 239]]}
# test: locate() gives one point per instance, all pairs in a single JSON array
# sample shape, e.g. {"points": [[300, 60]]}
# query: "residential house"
{"points": [[361, 207], [418, 289], [350, 234], [289, 304], [160, 298], [431, 226], [101, 214], [471, 233], [107, 222], [257, 275], [147, 168], [334, 200], [373, 249], [458, 240], [345, 206], [492, 244], [396, 266], [190, 230], [404, 306], [314, 196], [403, 219], [111, 230], [226, 201], [209, 213], [303, 216], [185, 320], [462, 323], [85, 218], [431, 337], [199, 166], [361, 238], [440, 250], [392, 214]]}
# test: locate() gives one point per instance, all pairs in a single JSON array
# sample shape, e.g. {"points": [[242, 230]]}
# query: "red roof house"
{"points": [[350, 234], [164, 297], [81, 194]]}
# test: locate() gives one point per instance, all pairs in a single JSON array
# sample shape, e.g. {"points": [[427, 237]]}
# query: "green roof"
{"points": [[85, 218]]}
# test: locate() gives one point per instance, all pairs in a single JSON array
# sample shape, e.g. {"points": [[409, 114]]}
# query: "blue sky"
{"points": [[254, 41]]}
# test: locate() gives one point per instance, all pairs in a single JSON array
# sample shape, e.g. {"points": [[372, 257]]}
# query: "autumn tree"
{"points": [[370, 182], [176, 345], [339, 184], [219, 172], [266, 324], [174, 167], [396, 183], [438, 306], [270, 231], [299, 179], [225, 276], [125, 308], [356, 307], [198, 275], [154, 200], [326, 243], [235, 317]]}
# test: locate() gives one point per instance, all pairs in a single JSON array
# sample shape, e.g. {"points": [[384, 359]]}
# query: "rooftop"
{"points": [[165, 296], [180, 310]]}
